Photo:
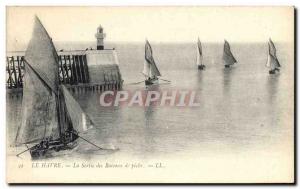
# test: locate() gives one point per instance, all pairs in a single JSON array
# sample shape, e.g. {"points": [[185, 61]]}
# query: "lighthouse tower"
{"points": [[100, 38]]}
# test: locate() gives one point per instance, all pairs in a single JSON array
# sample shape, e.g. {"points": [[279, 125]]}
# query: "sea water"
{"points": [[242, 109]]}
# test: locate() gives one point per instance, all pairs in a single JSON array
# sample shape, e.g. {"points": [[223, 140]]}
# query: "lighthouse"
{"points": [[100, 38]]}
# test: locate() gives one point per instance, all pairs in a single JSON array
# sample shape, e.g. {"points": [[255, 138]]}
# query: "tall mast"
{"points": [[58, 108]]}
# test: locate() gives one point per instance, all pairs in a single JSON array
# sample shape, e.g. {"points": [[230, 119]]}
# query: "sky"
{"points": [[157, 24]]}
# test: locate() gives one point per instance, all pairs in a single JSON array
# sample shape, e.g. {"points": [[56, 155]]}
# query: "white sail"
{"points": [[268, 64], [199, 59], [146, 69], [80, 121], [84, 124], [151, 74]]}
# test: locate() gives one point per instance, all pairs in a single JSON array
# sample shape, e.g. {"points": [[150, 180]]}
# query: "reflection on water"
{"points": [[272, 87], [227, 77], [241, 108]]}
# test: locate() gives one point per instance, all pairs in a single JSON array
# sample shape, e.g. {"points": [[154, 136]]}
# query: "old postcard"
{"points": [[150, 94]]}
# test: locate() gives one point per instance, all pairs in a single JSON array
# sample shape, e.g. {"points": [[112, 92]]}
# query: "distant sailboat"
{"points": [[150, 70], [51, 117], [200, 64], [228, 57], [272, 61]]}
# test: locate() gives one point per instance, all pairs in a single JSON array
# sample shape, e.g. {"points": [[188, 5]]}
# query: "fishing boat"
{"points": [[228, 57], [199, 60], [51, 118], [150, 70], [272, 61]]}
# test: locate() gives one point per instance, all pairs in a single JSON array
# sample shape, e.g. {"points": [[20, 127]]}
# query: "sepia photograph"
{"points": [[150, 94]]}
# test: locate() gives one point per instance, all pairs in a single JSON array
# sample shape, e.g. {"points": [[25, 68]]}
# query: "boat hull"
{"points": [[274, 71], [48, 148], [53, 150], [151, 81], [201, 67]]}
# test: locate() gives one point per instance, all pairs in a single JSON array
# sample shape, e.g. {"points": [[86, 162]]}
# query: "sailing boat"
{"points": [[272, 61], [150, 70], [228, 57], [200, 64], [51, 117]]}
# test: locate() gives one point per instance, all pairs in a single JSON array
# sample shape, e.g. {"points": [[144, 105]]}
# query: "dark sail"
{"points": [[42, 56], [273, 62], [39, 105], [51, 117], [228, 57], [272, 52], [199, 47], [199, 53], [153, 71]]}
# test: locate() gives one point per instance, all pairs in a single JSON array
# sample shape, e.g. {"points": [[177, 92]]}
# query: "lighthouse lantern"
{"points": [[100, 38]]}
